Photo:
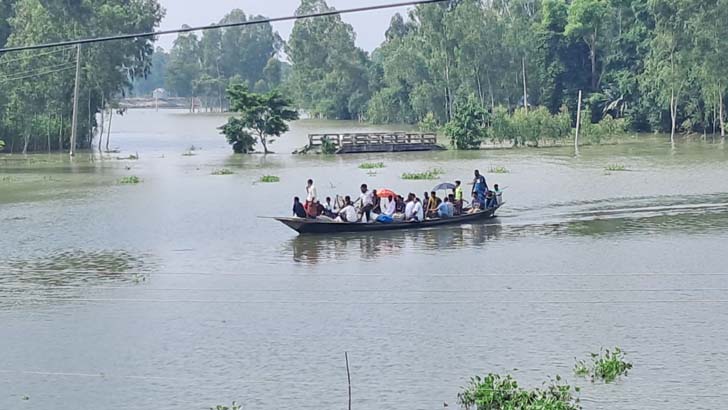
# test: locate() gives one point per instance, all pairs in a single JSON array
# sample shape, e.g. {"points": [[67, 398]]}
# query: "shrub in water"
{"points": [[130, 180], [495, 392], [371, 165], [223, 171], [269, 178], [605, 365]]}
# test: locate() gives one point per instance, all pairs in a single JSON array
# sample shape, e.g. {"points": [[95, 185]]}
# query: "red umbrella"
{"points": [[385, 193]]}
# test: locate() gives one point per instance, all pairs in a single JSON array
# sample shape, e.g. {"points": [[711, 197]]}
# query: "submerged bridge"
{"points": [[349, 143]]}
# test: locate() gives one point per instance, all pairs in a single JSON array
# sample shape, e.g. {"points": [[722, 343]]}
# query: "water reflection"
{"points": [[314, 249]]}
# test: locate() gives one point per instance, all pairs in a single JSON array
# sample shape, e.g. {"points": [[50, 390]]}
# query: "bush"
{"points": [[467, 128], [495, 392], [328, 147], [605, 365], [498, 170], [428, 124]]}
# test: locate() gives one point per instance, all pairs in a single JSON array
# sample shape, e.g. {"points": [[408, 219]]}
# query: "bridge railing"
{"points": [[397, 138]]}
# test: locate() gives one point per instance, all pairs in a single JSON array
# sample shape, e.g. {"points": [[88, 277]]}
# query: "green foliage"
{"points": [[498, 170], [234, 406], [328, 147], [263, 115], [425, 175], [128, 180], [371, 165], [330, 75], [496, 392], [467, 128], [605, 366], [428, 124], [223, 171], [269, 178], [616, 167]]}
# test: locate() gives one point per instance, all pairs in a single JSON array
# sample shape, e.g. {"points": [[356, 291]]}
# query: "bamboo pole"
{"points": [[578, 124], [348, 376], [74, 123]]}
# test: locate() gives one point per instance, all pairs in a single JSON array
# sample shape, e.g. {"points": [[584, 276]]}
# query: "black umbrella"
{"points": [[444, 186]]}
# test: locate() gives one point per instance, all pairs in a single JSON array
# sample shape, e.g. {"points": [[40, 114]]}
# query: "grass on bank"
{"points": [[606, 366], [129, 180], [269, 179], [222, 171], [371, 165], [425, 175]]}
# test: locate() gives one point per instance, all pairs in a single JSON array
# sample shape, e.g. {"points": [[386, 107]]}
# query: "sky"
{"points": [[369, 26]]}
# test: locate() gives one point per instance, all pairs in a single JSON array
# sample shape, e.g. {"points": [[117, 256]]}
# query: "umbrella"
{"points": [[385, 193], [444, 186]]}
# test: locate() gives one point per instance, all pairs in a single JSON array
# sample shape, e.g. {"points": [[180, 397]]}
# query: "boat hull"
{"points": [[312, 226]]}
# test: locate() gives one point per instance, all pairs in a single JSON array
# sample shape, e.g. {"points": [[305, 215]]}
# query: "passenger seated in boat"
{"points": [[329, 208], [377, 203], [433, 204], [298, 208], [455, 210], [490, 200], [498, 195], [474, 204], [391, 207], [348, 213], [399, 205], [410, 213], [445, 209], [418, 211]]}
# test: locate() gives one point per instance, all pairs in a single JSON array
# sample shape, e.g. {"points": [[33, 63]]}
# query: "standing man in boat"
{"points": [[480, 187], [311, 197], [367, 202]]}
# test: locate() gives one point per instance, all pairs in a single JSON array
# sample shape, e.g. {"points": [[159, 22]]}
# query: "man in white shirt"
{"points": [[419, 210], [367, 202], [409, 209], [311, 194], [391, 206], [348, 212]]}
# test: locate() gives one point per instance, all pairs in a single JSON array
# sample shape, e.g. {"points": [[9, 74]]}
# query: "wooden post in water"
{"points": [[578, 124], [74, 121]]}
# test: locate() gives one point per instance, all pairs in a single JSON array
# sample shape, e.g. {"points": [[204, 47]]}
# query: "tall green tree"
{"points": [[329, 75]]}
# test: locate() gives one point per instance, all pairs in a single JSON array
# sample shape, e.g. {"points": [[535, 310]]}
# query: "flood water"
{"points": [[175, 294]]}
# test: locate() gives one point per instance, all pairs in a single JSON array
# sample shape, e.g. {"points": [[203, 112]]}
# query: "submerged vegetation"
{"points": [[133, 179], [223, 171], [269, 179], [496, 392], [606, 366], [498, 170], [429, 174], [234, 406], [371, 165], [616, 167]]}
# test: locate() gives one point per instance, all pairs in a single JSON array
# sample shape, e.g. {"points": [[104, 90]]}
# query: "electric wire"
{"points": [[66, 67], [30, 56], [222, 25]]}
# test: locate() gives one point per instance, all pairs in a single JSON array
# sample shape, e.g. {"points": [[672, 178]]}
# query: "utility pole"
{"points": [[74, 120]]}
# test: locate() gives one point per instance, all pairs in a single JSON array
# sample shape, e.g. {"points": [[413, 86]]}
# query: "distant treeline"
{"points": [[657, 64]]}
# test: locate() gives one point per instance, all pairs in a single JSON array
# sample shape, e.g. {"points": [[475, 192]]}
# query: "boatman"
{"points": [[480, 188], [367, 202], [311, 197]]}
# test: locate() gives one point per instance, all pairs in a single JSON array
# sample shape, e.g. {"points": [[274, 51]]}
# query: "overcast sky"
{"points": [[369, 26]]}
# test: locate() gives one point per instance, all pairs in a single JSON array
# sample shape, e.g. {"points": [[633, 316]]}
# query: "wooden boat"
{"points": [[315, 226]]}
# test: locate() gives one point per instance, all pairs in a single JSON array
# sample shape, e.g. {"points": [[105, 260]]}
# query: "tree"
{"points": [[328, 69], [467, 129], [587, 19], [185, 65], [262, 117]]}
